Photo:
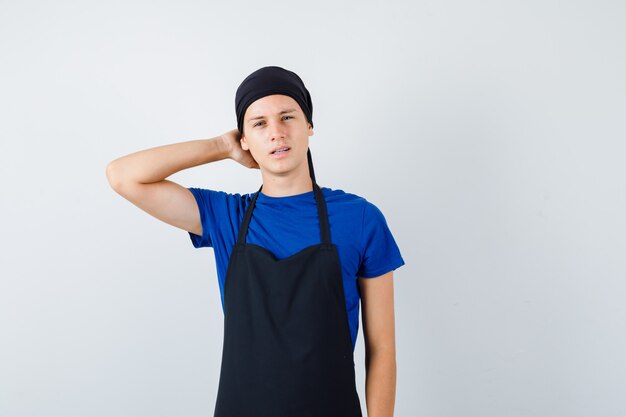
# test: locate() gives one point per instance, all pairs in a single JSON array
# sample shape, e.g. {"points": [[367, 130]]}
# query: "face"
{"points": [[276, 121]]}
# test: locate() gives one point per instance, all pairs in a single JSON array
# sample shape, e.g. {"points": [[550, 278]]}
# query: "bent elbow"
{"points": [[113, 176]]}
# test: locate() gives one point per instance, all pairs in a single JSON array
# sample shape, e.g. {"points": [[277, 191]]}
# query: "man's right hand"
{"points": [[232, 139]]}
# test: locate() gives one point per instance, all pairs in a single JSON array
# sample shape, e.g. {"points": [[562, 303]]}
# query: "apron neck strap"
{"points": [[322, 213]]}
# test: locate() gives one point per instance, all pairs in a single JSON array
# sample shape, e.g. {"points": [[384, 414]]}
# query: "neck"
{"points": [[283, 186]]}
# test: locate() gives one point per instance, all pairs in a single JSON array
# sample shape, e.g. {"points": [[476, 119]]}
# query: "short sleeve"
{"points": [[213, 206], [380, 253]]}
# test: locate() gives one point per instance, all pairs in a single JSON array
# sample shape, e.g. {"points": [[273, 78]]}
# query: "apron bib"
{"points": [[287, 349]]}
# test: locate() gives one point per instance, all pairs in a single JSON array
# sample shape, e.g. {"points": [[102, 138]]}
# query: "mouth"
{"points": [[282, 151]]}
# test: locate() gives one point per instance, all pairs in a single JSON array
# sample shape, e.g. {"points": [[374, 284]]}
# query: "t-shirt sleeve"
{"points": [[213, 205], [380, 251]]}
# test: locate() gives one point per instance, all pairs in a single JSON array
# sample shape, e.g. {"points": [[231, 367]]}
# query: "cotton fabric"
{"points": [[286, 225]]}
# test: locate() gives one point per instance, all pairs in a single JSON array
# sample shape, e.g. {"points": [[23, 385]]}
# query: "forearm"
{"points": [[380, 384], [155, 164]]}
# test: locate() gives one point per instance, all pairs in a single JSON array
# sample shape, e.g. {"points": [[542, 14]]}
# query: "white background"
{"points": [[489, 133]]}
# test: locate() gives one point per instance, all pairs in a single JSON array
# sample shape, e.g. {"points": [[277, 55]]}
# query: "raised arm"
{"points": [[140, 177]]}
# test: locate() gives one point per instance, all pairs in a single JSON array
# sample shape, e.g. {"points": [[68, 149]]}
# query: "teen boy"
{"points": [[293, 260]]}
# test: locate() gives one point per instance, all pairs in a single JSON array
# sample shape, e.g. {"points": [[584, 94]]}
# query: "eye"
{"points": [[289, 116], [254, 125]]}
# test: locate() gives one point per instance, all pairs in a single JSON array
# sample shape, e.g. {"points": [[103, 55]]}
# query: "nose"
{"points": [[276, 131]]}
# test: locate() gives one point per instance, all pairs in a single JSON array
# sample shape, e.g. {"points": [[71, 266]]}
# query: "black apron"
{"points": [[287, 348]]}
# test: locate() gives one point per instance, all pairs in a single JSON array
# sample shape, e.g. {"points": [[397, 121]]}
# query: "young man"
{"points": [[293, 260]]}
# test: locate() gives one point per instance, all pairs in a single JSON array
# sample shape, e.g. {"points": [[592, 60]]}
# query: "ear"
{"points": [[310, 130], [244, 143]]}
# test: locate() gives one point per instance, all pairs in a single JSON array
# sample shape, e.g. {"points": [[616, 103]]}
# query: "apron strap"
{"points": [[322, 213]]}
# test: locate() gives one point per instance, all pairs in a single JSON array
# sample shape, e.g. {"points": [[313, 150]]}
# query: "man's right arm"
{"points": [[140, 178]]}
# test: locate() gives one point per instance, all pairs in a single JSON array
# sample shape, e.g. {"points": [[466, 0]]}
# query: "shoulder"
{"points": [[220, 201], [348, 200], [218, 194], [340, 196]]}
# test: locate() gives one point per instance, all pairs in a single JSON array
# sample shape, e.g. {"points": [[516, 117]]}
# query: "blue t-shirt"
{"points": [[286, 225]]}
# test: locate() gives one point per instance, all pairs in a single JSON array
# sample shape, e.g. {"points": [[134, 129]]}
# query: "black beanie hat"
{"points": [[267, 81]]}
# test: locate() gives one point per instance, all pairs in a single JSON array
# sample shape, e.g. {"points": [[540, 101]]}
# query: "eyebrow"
{"points": [[282, 112]]}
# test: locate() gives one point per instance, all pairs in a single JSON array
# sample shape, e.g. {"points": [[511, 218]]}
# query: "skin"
{"points": [[377, 315], [278, 120], [140, 178]]}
